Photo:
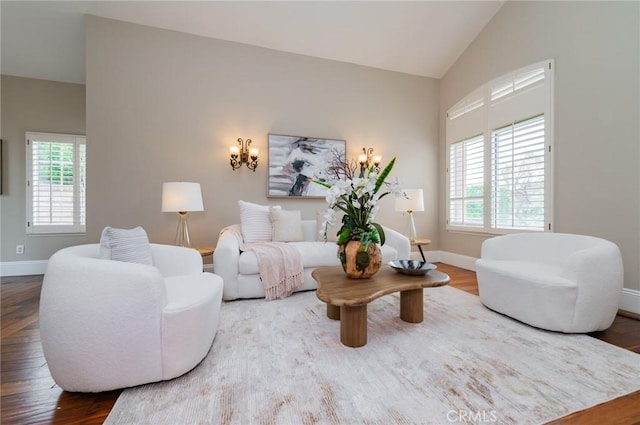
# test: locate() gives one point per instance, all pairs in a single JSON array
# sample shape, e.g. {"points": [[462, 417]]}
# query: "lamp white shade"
{"points": [[413, 201], [181, 197]]}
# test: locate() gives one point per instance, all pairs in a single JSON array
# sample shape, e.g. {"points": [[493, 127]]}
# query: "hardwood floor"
{"points": [[30, 396]]}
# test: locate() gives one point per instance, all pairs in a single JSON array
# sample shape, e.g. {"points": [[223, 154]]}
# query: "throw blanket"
{"points": [[279, 263]]}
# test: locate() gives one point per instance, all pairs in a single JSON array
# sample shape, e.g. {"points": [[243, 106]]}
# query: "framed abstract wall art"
{"points": [[294, 161]]}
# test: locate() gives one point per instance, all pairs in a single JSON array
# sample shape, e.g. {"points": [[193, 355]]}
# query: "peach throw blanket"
{"points": [[279, 263]]}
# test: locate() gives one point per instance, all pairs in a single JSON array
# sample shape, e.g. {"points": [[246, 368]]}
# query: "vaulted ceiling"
{"points": [[45, 39]]}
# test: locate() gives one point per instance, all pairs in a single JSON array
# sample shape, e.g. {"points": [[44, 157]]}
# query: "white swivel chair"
{"points": [[554, 281], [110, 324]]}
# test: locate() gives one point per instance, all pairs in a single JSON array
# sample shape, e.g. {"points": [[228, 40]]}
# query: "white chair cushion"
{"points": [[186, 291], [189, 321], [313, 254]]}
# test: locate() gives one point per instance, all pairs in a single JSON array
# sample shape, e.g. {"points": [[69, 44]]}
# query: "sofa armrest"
{"points": [[598, 271], [176, 260], [599, 274], [399, 242], [226, 258]]}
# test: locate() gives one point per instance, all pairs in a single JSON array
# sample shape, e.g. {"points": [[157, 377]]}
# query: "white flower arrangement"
{"points": [[358, 199]]}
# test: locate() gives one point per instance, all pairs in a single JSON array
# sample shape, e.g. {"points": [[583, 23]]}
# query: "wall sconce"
{"points": [[244, 155], [366, 159]]}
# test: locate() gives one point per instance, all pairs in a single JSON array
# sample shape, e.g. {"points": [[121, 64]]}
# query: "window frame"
{"points": [[79, 192], [485, 120]]}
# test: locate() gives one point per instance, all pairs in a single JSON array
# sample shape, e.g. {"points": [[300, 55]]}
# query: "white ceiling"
{"points": [[45, 39]]}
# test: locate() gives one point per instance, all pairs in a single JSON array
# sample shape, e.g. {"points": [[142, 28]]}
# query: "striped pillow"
{"points": [[129, 245], [255, 222]]}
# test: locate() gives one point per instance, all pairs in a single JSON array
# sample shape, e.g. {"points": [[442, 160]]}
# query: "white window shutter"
{"points": [[501, 181], [56, 170], [518, 176], [466, 183]]}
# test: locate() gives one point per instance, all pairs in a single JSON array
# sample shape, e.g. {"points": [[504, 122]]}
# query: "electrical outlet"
{"points": [[19, 249]]}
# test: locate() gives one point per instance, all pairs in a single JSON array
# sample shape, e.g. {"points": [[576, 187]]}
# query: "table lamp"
{"points": [[182, 197], [410, 202]]}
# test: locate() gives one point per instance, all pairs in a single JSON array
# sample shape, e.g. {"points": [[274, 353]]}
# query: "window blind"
{"points": [[470, 103], [466, 182], [56, 170], [512, 84], [518, 176]]}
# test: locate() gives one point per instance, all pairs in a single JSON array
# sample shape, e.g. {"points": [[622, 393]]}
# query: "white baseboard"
{"points": [[430, 256], [630, 300], [458, 260], [22, 268]]}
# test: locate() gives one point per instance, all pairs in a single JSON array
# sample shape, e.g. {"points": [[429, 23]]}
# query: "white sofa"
{"points": [[111, 324], [239, 270], [560, 282]]}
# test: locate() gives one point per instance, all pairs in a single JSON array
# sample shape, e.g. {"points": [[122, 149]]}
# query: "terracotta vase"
{"points": [[357, 263]]}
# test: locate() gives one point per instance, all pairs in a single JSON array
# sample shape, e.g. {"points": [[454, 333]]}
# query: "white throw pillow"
{"points": [[287, 225], [129, 245], [255, 222], [332, 231]]}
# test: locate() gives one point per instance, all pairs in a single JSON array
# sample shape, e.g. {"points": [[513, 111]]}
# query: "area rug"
{"points": [[281, 362]]}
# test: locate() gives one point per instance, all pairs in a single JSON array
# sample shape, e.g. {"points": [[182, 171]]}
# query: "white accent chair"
{"points": [[560, 282], [110, 324]]}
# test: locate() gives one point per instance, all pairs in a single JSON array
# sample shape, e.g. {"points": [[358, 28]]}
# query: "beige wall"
{"points": [[166, 106], [32, 105], [596, 47]]}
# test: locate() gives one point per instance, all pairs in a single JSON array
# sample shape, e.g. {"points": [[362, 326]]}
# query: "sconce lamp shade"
{"points": [[181, 197], [414, 200]]}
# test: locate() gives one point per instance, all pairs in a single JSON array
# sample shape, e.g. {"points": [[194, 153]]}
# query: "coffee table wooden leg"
{"points": [[353, 326], [411, 306], [333, 312]]}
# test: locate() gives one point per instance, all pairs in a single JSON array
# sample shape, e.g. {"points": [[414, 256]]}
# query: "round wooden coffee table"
{"points": [[347, 298]]}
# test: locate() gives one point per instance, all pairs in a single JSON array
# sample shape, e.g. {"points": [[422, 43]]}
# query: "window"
{"points": [[499, 141], [517, 176], [56, 189], [466, 175], [515, 83]]}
